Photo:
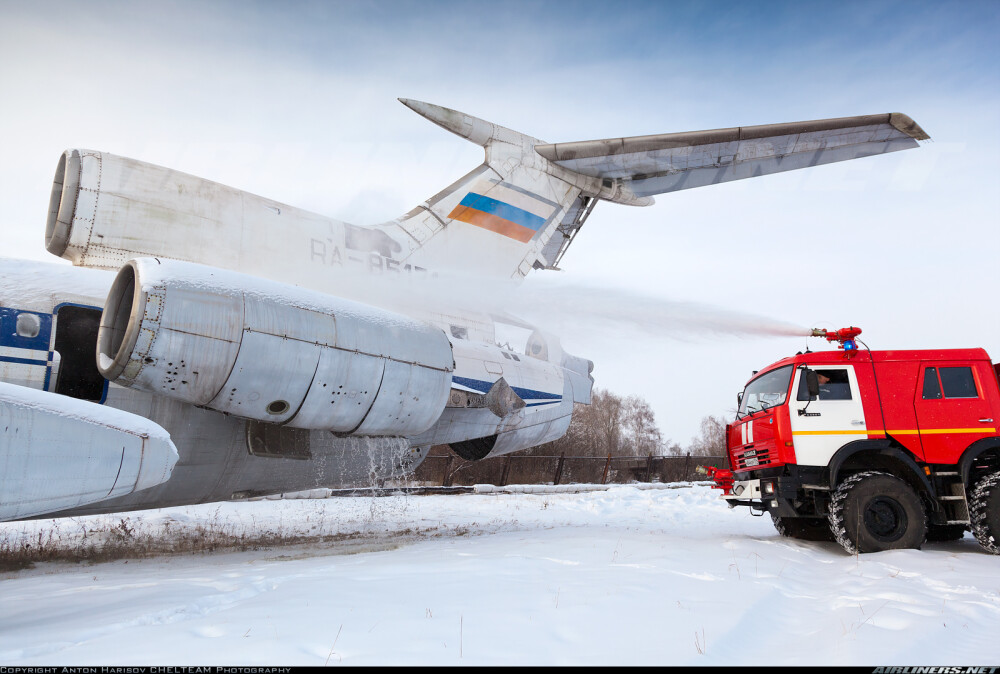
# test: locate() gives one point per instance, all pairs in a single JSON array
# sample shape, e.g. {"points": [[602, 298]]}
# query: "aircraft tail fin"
{"points": [[532, 197], [516, 212]]}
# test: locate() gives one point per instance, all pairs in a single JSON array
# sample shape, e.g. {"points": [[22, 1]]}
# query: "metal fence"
{"points": [[450, 470]]}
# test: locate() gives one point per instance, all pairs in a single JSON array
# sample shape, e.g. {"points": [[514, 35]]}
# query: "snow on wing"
{"points": [[58, 452], [677, 161]]}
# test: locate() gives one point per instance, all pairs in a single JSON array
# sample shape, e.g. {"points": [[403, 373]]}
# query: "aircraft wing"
{"points": [[678, 161], [58, 452]]}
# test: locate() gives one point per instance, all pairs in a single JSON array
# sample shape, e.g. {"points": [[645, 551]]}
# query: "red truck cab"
{"points": [[900, 441]]}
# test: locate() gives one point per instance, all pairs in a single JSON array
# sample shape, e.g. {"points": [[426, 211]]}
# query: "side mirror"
{"points": [[739, 399], [812, 384]]}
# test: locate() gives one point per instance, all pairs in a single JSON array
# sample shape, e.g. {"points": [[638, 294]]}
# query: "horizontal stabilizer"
{"points": [[675, 161]]}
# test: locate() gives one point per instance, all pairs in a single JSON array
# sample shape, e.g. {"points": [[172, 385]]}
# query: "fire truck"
{"points": [[876, 450]]}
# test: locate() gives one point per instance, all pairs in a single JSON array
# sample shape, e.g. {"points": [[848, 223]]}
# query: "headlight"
{"points": [[768, 487]]}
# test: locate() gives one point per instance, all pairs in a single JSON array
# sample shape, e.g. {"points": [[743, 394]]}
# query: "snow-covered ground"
{"points": [[624, 576]]}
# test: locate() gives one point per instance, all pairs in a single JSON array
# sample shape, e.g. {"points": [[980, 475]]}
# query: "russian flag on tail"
{"points": [[497, 216]]}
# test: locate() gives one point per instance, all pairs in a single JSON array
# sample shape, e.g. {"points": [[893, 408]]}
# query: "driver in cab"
{"points": [[833, 385]]}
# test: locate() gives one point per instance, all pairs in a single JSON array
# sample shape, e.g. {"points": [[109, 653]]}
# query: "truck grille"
{"points": [[752, 458]]}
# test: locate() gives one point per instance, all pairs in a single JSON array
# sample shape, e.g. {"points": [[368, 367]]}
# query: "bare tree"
{"points": [[712, 440], [641, 431], [608, 411], [611, 425], [671, 448]]}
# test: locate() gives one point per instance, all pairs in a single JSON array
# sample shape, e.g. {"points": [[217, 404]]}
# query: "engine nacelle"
{"points": [[273, 352], [106, 210]]}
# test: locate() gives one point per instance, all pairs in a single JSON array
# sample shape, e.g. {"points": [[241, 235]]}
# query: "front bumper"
{"points": [[764, 495]]}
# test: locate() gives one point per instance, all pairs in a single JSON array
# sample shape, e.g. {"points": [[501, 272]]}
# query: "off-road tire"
{"points": [[874, 511], [984, 512], [803, 528], [937, 533]]}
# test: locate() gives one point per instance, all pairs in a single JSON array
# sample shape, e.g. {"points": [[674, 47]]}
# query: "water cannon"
{"points": [[846, 336], [721, 478]]}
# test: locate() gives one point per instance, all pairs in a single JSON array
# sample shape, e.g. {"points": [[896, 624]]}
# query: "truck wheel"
{"points": [[984, 512], [873, 511], [945, 532], [803, 528]]}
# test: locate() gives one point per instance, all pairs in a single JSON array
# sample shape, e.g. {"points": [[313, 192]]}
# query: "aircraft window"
{"points": [[514, 356], [28, 325], [505, 355], [833, 385], [458, 332], [76, 342], [958, 382], [932, 387]]}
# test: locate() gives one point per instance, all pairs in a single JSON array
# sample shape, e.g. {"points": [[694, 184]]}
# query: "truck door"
{"points": [[952, 409], [823, 425]]}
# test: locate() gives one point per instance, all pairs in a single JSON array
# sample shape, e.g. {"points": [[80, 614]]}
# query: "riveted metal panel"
{"points": [[270, 378], [342, 391], [409, 401], [193, 345], [285, 319]]}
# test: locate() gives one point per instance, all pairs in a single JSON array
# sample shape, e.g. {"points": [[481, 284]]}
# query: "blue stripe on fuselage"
{"points": [[524, 393], [22, 361]]}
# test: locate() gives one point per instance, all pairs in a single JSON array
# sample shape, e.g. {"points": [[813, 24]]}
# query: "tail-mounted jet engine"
{"points": [[272, 352]]}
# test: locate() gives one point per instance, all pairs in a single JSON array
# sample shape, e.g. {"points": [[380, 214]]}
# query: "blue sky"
{"points": [[296, 101]]}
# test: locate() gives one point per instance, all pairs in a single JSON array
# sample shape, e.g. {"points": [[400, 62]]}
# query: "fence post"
{"points": [[559, 467], [607, 464], [446, 480], [687, 459], [649, 467], [506, 471]]}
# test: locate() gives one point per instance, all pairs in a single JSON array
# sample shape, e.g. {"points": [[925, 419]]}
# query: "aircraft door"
{"points": [[76, 344]]}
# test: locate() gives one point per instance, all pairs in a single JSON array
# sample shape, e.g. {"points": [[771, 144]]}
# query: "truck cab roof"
{"points": [[865, 356]]}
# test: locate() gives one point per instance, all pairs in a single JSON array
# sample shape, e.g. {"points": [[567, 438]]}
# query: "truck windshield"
{"points": [[767, 390]]}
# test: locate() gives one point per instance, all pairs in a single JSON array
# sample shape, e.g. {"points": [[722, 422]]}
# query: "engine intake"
{"points": [[272, 352], [62, 203]]}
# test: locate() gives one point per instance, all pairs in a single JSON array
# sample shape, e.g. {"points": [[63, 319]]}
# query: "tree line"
{"points": [[626, 426]]}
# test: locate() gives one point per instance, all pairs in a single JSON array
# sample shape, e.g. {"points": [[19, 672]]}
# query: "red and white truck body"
{"points": [[928, 419]]}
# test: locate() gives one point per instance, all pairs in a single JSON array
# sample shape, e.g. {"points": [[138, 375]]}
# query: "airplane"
{"points": [[208, 344]]}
